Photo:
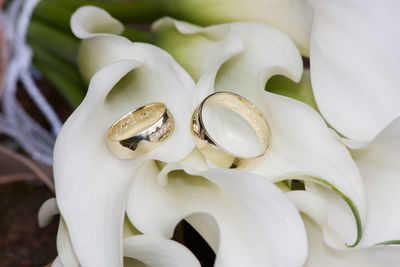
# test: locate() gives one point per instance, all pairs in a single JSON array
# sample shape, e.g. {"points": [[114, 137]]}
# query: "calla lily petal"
{"points": [[100, 47], [290, 16], [57, 263], [323, 241], [180, 38], [158, 252], [112, 48], [82, 139], [67, 256], [245, 219], [89, 21], [336, 232], [303, 146], [354, 60], [47, 211], [139, 250], [320, 254], [66, 253], [81, 148], [128, 229], [379, 164], [311, 203]]}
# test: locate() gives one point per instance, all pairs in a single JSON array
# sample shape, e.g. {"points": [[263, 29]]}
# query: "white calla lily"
{"points": [[92, 185], [81, 148], [245, 219], [302, 146]]}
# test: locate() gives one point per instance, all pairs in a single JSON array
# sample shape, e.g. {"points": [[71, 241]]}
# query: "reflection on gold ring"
{"points": [[211, 149], [140, 131]]}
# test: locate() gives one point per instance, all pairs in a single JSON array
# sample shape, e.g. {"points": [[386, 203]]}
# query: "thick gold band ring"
{"points": [[248, 111], [140, 131]]}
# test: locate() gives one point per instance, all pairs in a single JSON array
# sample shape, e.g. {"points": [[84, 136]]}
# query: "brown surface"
{"points": [[22, 242]]}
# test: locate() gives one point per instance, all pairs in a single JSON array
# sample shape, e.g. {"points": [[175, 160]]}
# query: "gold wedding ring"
{"points": [[248, 111], [140, 131]]}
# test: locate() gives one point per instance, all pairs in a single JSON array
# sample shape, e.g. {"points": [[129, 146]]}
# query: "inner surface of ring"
{"points": [[136, 122], [251, 115]]}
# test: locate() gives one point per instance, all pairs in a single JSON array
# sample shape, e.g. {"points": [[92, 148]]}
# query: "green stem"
{"points": [[59, 65], [68, 89], [59, 43], [349, 202], [53, 14], [390, 242], [138, 11], [136, 35]]}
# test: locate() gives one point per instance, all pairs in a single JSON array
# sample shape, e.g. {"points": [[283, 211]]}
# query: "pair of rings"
{"points": [[145, 128]]}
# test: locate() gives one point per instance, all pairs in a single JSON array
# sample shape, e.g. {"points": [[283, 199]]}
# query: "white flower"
{"points": [[233, 210], [91, 184]]}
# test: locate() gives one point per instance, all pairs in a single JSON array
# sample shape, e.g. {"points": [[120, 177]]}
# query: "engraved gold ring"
{"points": [[244, 108], [140, 131]]}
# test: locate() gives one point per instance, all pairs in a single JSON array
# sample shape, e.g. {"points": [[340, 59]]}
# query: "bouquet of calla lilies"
{"points": [[271, 127]]}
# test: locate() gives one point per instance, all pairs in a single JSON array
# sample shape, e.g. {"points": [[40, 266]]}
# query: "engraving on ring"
{"points": [[140, 131]]}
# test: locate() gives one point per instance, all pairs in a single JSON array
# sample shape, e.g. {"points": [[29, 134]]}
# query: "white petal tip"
{"points": [[46, 212], [87, 21]]}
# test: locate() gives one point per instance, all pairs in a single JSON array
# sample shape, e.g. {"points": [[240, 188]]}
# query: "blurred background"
{"points": [[23, 180], [25, 183]]}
